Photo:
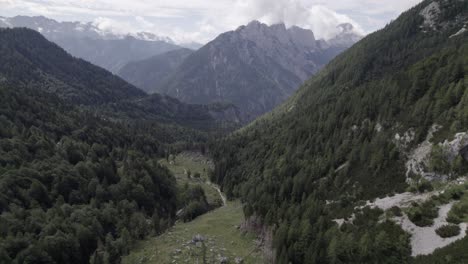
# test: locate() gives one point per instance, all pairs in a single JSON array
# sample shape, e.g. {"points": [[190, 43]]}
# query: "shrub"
{"points": [[396, 211], [423, 214], [425, 186], [453, 218], [457, 192], [458, 212], [194, 209], [448, 231]]}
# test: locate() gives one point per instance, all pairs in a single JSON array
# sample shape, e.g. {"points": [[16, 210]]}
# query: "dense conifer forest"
{"points": [[333, 144], [79, 149], [80, 180]]}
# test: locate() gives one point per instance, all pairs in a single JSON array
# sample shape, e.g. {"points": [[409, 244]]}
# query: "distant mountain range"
{"points": [[255, 67], [29, 60], [100, 47]]}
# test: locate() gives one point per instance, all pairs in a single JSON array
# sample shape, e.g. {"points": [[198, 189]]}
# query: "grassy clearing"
{"points": [[219, 227], [195, 163], [223, 239]]}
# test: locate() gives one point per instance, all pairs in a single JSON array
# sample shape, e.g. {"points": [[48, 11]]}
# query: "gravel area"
{"points": [[424, 240]]}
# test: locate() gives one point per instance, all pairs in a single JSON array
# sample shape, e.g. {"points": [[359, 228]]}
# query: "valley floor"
{"points": [[219, 229]]}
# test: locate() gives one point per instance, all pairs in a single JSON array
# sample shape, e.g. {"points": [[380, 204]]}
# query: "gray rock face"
{"points": [[255, 67], [85, 40]]}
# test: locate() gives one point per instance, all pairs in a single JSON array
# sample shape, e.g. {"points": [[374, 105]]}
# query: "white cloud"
{"points": [[319, 18], [202, 20]]}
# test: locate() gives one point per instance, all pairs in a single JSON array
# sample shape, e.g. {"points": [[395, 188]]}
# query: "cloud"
{"points": [[320, 19], [202, 20]]}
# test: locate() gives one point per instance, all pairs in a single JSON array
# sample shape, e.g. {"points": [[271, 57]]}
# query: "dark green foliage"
{"points": [[448, 231], [459, 212], [439, 162], [29, 59], [75, 187], [335, 139], [423, 214], [396, 211], [425, 186], [193, 201]]}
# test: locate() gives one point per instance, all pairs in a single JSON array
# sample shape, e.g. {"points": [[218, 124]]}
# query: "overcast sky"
{"points": [[202, 20]]}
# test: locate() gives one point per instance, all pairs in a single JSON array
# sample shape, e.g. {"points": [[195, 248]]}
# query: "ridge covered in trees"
{"points": [[28, 59], [79, 148], [75, 188], [333, 143]]}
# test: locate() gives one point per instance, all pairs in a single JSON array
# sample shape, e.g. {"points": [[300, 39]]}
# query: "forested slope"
{"points": [[73, 185], [28, 59], [335, 142], [79, 177]]}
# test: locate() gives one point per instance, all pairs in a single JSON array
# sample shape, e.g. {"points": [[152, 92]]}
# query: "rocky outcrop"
{"points": [[419, 157], [430, 14]]}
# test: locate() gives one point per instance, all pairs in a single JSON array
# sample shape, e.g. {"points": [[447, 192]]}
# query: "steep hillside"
{"points": [[255, 67], [88, 41], [81, 183], [28, 59], [77, 188], [150, 74], [349, 135]]}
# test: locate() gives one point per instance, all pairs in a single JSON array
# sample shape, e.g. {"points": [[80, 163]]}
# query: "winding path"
{"points": [[223, 198]]}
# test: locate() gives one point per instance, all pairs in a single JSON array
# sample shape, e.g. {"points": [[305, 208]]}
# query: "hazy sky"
{"points": [[202, 20]]}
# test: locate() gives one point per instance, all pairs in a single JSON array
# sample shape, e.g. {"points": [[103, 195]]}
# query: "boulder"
{"points": [[238, 260], [198, 238]]}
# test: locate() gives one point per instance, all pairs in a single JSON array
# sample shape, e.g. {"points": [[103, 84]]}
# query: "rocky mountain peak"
{"points": [[264, 35], [255, 67], [302, 36]]}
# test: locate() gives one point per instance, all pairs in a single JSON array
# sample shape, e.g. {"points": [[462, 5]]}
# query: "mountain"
{"points": [[30, 59], [255, 67], [100, 47], [191, 45], [389, 114], [150, 74], [27, 59], [79, 150]]}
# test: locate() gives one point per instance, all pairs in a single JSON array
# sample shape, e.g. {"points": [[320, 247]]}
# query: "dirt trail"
{"points": [[223, 198]]}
